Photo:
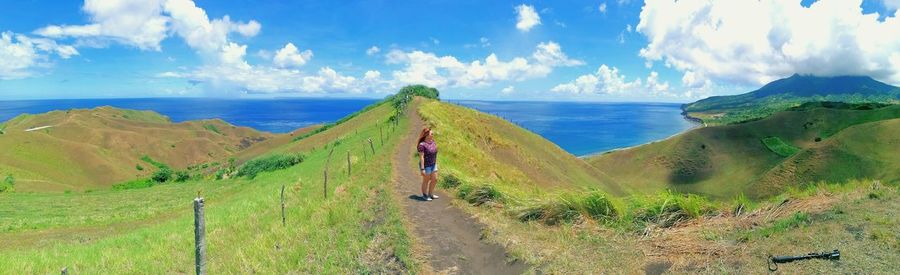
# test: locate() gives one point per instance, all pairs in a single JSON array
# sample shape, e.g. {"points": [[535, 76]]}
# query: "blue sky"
{"points": [[615, 50]]}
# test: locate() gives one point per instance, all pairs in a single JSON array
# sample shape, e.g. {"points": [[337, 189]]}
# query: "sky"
{"points": [[612, 50]]}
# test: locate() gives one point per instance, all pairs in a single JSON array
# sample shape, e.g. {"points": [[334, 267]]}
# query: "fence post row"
{"points": [[199, 237]]}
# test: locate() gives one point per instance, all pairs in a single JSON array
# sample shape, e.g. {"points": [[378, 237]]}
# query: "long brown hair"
{"points": [[424, 135]]}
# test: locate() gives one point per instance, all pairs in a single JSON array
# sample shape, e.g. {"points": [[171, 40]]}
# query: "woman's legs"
{"points": [[425, 179], [433, 178]]}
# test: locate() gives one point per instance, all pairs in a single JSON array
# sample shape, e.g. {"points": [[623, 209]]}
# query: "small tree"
{"points": [[162, 175]]}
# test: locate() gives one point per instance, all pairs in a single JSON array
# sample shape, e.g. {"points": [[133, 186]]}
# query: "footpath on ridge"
{"points": [[452, 237]]}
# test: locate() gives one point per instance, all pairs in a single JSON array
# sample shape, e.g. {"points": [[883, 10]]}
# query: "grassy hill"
{"points": [[484, 148], [84, 149], [810, 143], [789, 92], [357, 229]]}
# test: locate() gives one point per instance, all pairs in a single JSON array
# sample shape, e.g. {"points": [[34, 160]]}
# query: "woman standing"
{"points": [[428, 163]]}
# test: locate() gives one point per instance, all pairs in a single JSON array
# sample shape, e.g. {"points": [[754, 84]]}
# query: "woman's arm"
{"points": [[422, 163]]}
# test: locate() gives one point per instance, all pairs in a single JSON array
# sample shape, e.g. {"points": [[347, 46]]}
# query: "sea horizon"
{"points": [[605, 130]]}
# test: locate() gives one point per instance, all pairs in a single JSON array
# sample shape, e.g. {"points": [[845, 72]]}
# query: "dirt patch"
{"points": [[657, 268]]}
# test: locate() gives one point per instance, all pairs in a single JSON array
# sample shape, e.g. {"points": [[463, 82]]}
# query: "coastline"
{"points": [[696, 124]]}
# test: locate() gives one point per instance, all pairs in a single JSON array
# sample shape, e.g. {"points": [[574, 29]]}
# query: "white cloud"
{"points": [[754, 42], [602, 7], [448, 71], [527, 17], [291, 57], [508, 90], [373, 50], [146, 23], [20, 54], [136, 23], [609, 81], [892, 4]]}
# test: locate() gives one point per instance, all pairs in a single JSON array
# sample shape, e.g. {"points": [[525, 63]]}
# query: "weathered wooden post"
{"points": [[199, 236], [372, 146], [325, 172], [283, 220]]}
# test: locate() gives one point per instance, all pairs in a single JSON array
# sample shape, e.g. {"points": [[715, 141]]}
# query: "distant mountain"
{"points": [[790, 92]]}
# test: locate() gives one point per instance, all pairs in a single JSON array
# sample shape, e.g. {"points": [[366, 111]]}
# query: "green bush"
{"points": [[212, 128], [139, 167], [268, 164], [181, 176], [134, 184], [162, 175], [8, 184], [450, 181]]}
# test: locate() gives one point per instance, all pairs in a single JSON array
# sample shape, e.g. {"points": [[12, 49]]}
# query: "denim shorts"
{"points": [[430, 169]]}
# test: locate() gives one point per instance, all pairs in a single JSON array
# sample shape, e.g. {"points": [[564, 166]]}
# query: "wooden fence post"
{"points": [[372, 146], [283, 220], [325, 184], [199, 237]]}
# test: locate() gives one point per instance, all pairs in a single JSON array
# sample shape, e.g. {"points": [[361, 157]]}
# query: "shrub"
{"points": [[268, 164], [8, 184], [134, 184], [212, 128], [139, 167], [181, 176], [162, 175], [449, 181]]}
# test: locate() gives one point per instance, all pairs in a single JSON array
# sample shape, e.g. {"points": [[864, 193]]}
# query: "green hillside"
{"points": [[485, 148], [811, 143], [357, 228], [790, 92], [82, 149]]}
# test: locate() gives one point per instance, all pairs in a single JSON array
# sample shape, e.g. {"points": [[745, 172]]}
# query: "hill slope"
{"points": [[486, 148], [792, 91], [763, 157], [89, 149]]}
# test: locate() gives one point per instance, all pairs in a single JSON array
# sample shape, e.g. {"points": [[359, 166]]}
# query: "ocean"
{"points": [[579, 128], [585, 128]]}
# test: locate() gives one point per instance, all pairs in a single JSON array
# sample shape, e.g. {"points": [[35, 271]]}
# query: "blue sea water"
{"points": [[583, 128], [271, 115], [580, 128]]}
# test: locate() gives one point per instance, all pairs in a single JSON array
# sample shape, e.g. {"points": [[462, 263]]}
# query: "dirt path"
{"points": [[452, 236]]}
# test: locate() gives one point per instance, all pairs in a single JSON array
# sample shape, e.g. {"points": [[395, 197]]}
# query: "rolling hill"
{"points": [[811, 143], [486, 148], [85, 149], [789, 92]]}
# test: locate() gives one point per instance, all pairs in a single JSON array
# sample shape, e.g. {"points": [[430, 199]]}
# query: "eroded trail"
{"points": [[452, 237]]}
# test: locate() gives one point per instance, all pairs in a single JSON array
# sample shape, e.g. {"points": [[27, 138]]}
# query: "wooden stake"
{"points": [[283, 220], [199, 237]]}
